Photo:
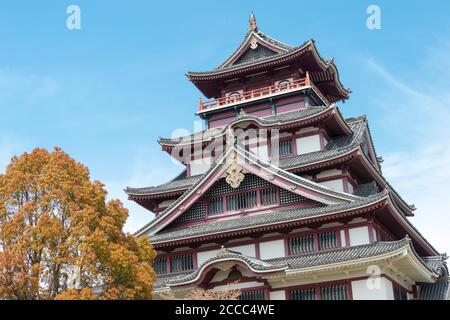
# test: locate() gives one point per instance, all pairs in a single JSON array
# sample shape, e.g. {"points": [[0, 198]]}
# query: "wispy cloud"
{"points": [[29, 87], [420, 171]]}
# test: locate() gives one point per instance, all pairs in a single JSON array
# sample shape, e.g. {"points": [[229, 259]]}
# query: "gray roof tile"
{"points": [[275, 119], [333, 149], [293, 262], [439, 290], [258, 220], [337, 196]]}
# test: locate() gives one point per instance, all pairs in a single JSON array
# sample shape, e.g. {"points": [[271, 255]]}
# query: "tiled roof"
{"points": [[259, 220], [339, 255], [299, 180], [437, 263], [270, 120], [180, 183], [435, 291], [293, 262], [279, 45], [333, 149], [440, 289], [366, 189], [328, 195], [255, 264]]}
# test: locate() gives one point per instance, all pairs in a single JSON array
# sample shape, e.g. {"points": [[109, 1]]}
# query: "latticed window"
{"points": [[304, 294], [335, 292], [269, 196], [287, 197], [160, 265], [328, 240], [196, 212], [285, 147], [215, 206], [252, 295], [241, 201], [181, 262], [301, 244]]}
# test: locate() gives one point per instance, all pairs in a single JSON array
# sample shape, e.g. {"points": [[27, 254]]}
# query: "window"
{"points": [[215, 206], [269, 196], [160, 265], [241, 201], [325, 292], [304, 294], [253, 195], [301, 244], [181, 262], [252, 295], [334, 292], [285, 147], [328, 240]]}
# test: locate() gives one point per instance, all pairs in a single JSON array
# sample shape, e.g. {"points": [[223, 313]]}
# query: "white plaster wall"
{"points": [[220, 275], [359, 235], [372, 289], [199, 166], [271, 249], [308, 144], [246, 250], [343, 241], [336, 185], [205, 255], [277, 295]]}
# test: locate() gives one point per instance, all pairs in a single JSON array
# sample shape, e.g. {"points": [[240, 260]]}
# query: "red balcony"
{"points": [[273, 90]]}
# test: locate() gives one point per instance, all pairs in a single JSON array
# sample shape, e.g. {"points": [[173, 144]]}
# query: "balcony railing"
{"points": [[260, 93]]}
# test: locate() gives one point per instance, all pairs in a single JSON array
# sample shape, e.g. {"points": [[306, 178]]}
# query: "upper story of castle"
{"points": [[265, 77]]}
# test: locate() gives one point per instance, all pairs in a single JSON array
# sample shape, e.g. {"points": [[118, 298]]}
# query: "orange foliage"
{"points": [[61, 239]]}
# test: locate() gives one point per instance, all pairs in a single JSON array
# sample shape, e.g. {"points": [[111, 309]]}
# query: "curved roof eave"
{"points": [[320, 191], [262, 122]]}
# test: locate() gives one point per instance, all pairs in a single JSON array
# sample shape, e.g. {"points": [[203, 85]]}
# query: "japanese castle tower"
{"points": [[297, 209]]}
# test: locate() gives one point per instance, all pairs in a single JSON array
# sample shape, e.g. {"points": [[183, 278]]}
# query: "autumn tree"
{"points": [[61, 239]]}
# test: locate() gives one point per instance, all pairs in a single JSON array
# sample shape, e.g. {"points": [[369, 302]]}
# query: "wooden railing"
{"points": [[259, 93]]}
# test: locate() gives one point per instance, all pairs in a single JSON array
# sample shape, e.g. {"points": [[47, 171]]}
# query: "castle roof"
{"points": [[311, 262], [259, 52]]}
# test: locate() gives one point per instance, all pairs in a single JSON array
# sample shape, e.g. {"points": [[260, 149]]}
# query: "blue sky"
{"points": [[105, 93]]}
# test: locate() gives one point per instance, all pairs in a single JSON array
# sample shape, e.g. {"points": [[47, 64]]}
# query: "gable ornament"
{"points": [[234, 175], [253, 43]]}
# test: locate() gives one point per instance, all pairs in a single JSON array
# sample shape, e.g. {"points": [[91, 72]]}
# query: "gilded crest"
{"points": [[234, 175], [253, 43]]}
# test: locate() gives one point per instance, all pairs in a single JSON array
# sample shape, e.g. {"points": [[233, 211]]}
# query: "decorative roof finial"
{"points": [[252, 22]]}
